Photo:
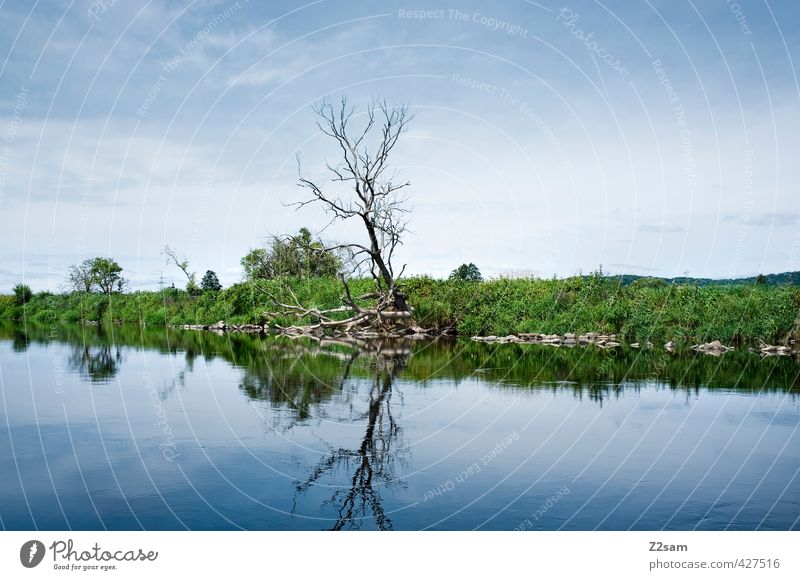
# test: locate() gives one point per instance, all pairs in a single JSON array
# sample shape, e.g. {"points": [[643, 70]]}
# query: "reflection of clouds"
{"points": [[787, 418]]}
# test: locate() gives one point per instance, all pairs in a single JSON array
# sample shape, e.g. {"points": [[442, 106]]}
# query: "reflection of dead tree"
{"points": [[377, 202], [360, 500], [296, 373]]}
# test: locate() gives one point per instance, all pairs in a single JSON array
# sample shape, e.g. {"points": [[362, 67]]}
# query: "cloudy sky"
{"points": [[652, 137]]}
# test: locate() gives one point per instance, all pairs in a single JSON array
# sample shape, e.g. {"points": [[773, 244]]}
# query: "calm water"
{"points": [[126, 429]]}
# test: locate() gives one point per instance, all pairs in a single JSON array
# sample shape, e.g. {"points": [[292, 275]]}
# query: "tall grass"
{"points": [[636, 312]]}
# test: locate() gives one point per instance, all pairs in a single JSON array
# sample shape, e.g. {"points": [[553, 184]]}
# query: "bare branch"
{"points": [[376, 201]]}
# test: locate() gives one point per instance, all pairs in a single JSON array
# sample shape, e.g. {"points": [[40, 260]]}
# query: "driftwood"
{"points": [[376, 320], [774, 350], [568, 340], [714, 348]]}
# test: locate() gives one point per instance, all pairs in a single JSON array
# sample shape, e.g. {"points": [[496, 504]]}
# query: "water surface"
{"points": [[129, 428]]}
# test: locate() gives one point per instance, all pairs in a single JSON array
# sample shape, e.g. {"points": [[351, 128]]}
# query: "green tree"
{"points": [[297, 256], [107, 275], [648, 282], [80, 277], [761, 280], [467, 272], [210, 282], [22, 294], [256, 264]]}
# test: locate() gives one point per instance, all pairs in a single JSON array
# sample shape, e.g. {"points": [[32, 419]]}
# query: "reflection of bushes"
{"points": [[593, 370], [98, 364], [647, 308], [300, 373], [19, 341]]}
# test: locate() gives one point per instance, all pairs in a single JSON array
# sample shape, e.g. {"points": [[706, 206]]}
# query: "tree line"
{"points": [[293, 256]]}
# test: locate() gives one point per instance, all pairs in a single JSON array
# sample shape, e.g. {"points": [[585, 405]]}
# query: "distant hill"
{"points": [[782, 279]]}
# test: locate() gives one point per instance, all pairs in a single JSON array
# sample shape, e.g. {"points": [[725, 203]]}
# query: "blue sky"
{"points": [[654, 138]]}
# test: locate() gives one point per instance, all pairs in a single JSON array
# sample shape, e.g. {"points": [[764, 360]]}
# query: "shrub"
{"points": [[22, 294]]}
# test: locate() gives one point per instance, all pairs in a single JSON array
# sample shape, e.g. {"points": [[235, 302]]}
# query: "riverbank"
{"points": [[635, 313]]}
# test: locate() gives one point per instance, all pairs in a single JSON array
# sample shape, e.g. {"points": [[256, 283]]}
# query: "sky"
{"points": [[648, 137]]}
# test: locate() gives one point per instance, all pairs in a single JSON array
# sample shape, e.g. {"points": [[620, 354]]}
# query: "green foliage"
{"points": [[107, 275], [8, 307], [81, 277], [649, 283], [645, 311], [101, 273], [297, 256], [467, 273], [782, 279], [256, 264], [210, 282], [642, 311], [191, 287], [22, 294]]}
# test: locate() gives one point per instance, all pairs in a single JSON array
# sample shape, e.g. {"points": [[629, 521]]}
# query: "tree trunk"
{"points": [[398, 298]]}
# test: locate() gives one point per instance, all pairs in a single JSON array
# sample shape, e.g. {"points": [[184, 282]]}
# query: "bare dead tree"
{"points": [[183, 266], [376, 200]]}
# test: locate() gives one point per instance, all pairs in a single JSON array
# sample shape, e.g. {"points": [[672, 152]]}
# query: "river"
{"points": [[126, 428]]}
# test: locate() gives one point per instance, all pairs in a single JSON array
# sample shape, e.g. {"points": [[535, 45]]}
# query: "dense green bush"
{"points": [[22, 294]]}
